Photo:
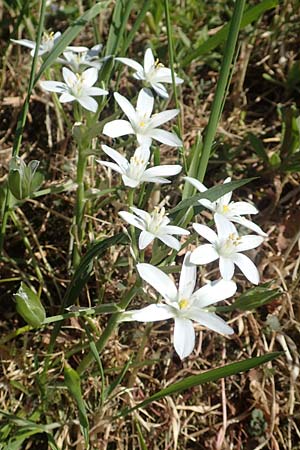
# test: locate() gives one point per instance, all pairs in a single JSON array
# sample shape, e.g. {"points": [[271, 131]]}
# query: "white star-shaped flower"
{"points": [[154, 225], [47, 43], [141, 121], [79, 58], [233, 211], [153, 73], [227, 246], [183, 304], [77, 87], [135, 172]]}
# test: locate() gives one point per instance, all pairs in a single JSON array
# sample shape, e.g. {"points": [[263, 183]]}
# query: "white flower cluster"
{"points": [[183, 304]]}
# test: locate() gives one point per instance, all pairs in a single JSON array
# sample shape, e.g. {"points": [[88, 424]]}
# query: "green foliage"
{"points": [[24, 180], [72, 382], [29, 306]]}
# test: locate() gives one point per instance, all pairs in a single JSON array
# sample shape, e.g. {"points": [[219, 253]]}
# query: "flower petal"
{"points": [[204, 254], [211, 321], [89, 77], [131, 63], [173, 229], [88, 103], [162, 117], [213, 292], [151, 313], [224, 226], [205, 232], [170, 241], [165, 137], [116, 156], [148, 60], [53, 86], [187, 279], [126, 107], [69, 77], [196, 183], [66, 97], [241, 208], [131, 219], [117, 128], [141, 213], [145, 239], [248, 224], [145, 102], [130, 182], [248, 242], [158, 280], [184, 337], [160, 90], [167, 170], [246, 266], [226, 268], [111, 165], [25, 42], [95, 91]]}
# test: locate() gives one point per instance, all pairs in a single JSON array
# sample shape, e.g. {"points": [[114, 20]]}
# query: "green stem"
{"points": [[79, 207], [218, 102], [22, 119]]}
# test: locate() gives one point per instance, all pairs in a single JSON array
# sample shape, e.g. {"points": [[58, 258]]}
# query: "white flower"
{"points": [[183, 304], [232, 210], [141, 121], [79, 58], [153, 72], [134, 172], [77, 87], [47, 43], [226, 246], [154, 225]]}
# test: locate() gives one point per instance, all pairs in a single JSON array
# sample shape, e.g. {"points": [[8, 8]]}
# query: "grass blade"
{"points": [[208, 376]]}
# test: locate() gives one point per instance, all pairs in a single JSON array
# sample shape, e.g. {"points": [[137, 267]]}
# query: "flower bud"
{"points": [[29, 306], [23, 180]]}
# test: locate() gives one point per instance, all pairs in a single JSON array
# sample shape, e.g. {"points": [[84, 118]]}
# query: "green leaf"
{"points": [[84, 270], [70, 34], [208, 376], [72, 381], [249, 16], [116, 31], [253, 298], [211, 194], [258, 147]]}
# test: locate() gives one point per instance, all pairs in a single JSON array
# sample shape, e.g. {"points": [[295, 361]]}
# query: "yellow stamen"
{"points": [[225, 209], [183, 303]]}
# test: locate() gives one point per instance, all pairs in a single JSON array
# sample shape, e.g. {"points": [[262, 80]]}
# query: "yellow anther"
{"points": [[183, 303], [225, 208], [142, 124]]}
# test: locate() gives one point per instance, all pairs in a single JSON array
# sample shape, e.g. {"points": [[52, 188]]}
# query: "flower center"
{"points": [[156, 221], [136, 167], [225, 209], [230, 244], [183, 303]]}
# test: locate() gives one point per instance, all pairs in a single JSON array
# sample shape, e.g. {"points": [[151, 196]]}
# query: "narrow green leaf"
{"points": [[251, 15], [258, 147], [211, 194], [70, 34], [72, 382], [119, 19], [208, 376]]}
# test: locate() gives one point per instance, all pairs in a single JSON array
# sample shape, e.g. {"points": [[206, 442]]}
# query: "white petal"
{"points": [[160, 90], [166, 137], [126, 106], [184, 337], [145, 103], [246, 266], [152, 313], [143, 153], [162, 117], [131, 63], [224, 226], [159, 180], [88, 103], [204, 254], [148, 60], [25, 42], [95, 91], [213, 292], [207, 204], [141, 213], [248, 242], [131, 219], [111, 165], [66, 97], [248, 224], [69, 77], [158, 280], [116, 156], [130, 182], [188, 277], [145, 239], [117, 128], [170, 241], [211, 321], [205, 232], [144, 140], [53, 86], [167, 170], [173, 229], [196, 183], [241, 208], [226, 268], [89, 77]]}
